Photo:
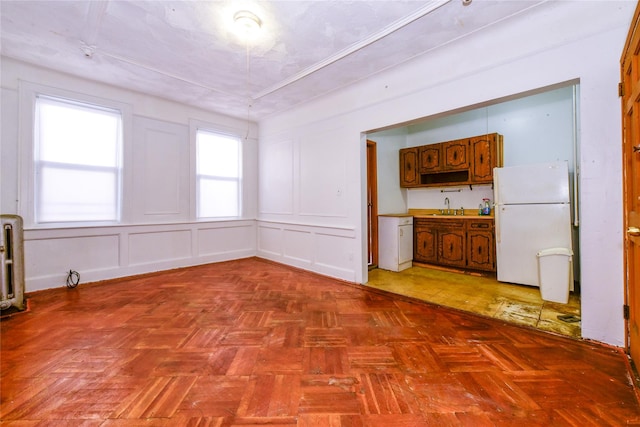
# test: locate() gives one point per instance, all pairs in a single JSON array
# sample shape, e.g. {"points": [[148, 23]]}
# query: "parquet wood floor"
{"points": [[251, 342]]}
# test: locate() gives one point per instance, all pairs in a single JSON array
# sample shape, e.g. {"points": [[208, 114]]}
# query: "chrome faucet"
{"points": [[446, 202]]}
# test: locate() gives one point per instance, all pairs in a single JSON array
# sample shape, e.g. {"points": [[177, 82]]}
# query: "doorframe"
{"points": [[630, 139], [372, 204]]}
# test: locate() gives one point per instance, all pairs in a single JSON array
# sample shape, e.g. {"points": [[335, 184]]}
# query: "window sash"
{"points": [[76, 181], [218, 175]]}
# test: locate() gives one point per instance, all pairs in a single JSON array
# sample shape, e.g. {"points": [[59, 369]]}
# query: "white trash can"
{"points": [[555, 273]]}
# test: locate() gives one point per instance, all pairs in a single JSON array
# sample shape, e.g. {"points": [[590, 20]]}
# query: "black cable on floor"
{"points": [[73, 278]]}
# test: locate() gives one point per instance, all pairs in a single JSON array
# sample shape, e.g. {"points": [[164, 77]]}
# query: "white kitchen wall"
{"points": [[536, 128], [158, 230], [517, 57]]}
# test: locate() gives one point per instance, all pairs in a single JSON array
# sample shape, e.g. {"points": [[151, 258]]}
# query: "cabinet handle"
{"points": [[636, 148], [481, 158]]}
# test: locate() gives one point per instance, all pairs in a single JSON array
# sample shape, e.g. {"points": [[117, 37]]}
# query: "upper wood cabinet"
{"points": [[456, 154], [409, 167], [430, 157], [457, 162], [486, 152]]}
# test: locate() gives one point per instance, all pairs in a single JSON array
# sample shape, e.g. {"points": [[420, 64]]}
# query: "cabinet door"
{"points": [[480, 246], [430, 158], [424, 245], [451, 246], [409, 167], [455, 154], [483, 149]]}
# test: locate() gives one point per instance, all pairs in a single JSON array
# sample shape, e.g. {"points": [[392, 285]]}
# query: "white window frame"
{"points": [[195, 127], [28, 94]]}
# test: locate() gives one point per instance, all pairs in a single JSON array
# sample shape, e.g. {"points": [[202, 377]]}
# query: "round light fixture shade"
{"points": [[247, 22]]}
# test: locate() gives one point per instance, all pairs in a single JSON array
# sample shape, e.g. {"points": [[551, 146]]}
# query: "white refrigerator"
{"points": [[532, 212]]}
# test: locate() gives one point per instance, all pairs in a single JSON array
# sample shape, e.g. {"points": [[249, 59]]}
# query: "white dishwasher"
{"points": [[395, 242]]}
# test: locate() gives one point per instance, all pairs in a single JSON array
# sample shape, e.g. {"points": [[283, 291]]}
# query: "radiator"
{"points": [[12, 263]]}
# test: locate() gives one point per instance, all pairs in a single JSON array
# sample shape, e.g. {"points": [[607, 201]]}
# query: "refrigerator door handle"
{"points": [[497, 222], [496, 201]]}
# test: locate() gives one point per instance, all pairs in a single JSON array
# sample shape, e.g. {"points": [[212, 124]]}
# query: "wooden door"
{"points": [[480, 245], [372, 204], [429, 158], [484, 159], [452, 244], [455, 154], [409, 167], [424, 243], [630, 93]]}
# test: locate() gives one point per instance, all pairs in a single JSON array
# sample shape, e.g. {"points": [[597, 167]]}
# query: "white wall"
{"points": [[514, 58], [158, 230], [308, 177]]}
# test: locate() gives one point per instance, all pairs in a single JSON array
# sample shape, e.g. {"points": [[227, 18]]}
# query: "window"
{"points": [[77, 156], [218, 175]]}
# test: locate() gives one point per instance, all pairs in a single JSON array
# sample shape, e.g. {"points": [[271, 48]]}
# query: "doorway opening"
{"points": [[539, 126]]}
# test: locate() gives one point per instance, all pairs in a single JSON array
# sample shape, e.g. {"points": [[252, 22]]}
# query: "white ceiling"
{"points": [[187, 51]]}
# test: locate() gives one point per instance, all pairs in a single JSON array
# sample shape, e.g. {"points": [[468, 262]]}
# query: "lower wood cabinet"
{"points": [[455, 242], [425, 237], [481, 245]]}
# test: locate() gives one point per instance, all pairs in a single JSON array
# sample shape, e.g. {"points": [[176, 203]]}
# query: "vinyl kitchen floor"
{"points": [[482, 295]]}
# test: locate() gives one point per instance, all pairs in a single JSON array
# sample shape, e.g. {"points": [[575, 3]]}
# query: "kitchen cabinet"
{"points": [[429, 157], [452, 244], [458, 162], [458, 242], [395, 248], [486, 153], [439, 242], [409, 167], [425, 241], [481, 245], [456, 154]]}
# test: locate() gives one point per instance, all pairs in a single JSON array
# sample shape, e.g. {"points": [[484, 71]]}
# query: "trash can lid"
{"points": [[555, 251]]}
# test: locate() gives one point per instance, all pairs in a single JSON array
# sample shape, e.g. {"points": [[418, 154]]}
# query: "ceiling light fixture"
{"points": [[247, 22]]}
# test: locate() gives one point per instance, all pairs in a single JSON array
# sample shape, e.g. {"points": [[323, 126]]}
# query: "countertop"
{"points": [[435, 213]]}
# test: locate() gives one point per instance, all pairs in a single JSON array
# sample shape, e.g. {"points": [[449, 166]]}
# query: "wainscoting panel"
{"points": [[270, 240], [325, 250], [49, 260], [298, 246], [226, 239], [150, 247], [101, 253]]}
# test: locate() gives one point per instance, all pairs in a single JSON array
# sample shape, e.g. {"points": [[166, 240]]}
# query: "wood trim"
{"points": [[372, 203]]}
